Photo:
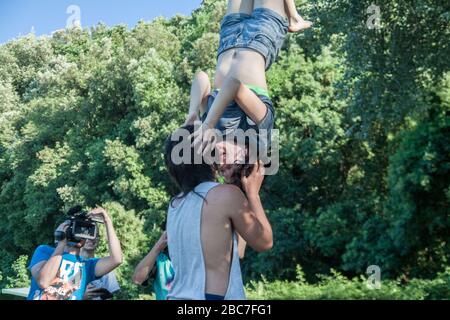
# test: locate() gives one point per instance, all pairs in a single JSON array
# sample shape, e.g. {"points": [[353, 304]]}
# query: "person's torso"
{"points": [[69, 284], [217, 245], [234, 117], [249, 67], [185, 229]]}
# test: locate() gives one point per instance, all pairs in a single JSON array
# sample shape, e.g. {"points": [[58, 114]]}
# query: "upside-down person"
{"points": [[251, 36], [203, 224]]}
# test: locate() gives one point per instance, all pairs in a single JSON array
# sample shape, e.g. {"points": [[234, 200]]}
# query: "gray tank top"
{"points": [[185, 250]]}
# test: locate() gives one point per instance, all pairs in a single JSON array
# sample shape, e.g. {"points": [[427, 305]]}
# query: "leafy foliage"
{"points": [[363, 116], [338, 287]]}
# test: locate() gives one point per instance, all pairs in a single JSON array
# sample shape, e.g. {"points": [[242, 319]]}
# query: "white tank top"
{"points": [[185, 250]]}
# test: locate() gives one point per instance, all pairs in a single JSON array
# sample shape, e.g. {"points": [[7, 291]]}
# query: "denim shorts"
{"points": [[263, 31]]}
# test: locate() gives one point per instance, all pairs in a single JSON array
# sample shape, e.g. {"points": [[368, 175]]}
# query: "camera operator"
{"points": [[62, 274]]}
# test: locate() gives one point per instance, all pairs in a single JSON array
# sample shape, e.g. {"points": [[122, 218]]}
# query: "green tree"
{"points": [[363, 116]]}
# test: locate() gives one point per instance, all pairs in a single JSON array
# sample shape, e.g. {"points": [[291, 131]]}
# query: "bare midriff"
{"points": [[244, 64], [274, 5]]}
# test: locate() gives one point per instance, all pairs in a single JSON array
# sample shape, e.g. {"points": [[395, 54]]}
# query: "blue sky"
{"points": [[20, 16]]}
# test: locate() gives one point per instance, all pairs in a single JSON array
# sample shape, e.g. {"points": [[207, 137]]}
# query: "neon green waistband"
{"points": [[258, 90]]}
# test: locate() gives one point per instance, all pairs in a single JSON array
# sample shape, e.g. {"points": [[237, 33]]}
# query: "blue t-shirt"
{"points": [[75, 273]]}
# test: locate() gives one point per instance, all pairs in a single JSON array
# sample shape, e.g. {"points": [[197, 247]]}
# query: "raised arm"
{"points": [[234, 89], [242, 245], [146, 265], [115, 259], [247, 214], [46, 271]]}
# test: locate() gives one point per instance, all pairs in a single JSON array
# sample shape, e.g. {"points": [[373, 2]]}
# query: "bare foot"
{"points": [[297, 24]]}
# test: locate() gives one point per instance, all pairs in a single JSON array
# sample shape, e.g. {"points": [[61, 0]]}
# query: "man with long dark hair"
{"points": [[204, 221]]}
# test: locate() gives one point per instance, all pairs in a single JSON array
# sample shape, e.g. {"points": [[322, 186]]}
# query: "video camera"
{"points": [[81, 226]]}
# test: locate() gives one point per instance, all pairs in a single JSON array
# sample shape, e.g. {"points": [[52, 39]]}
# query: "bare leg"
{"points": [[287, 9], [296, 22], [200, 89]]}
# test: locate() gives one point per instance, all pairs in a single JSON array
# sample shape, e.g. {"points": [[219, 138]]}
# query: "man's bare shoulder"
{"points": [[226, 195]]}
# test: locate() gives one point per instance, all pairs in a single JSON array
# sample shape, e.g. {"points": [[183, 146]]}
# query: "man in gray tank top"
{"points": [[203, 224]]}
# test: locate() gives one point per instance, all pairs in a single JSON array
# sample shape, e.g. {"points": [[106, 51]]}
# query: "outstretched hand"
{"points": [[205, 139], [101, 213]]}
